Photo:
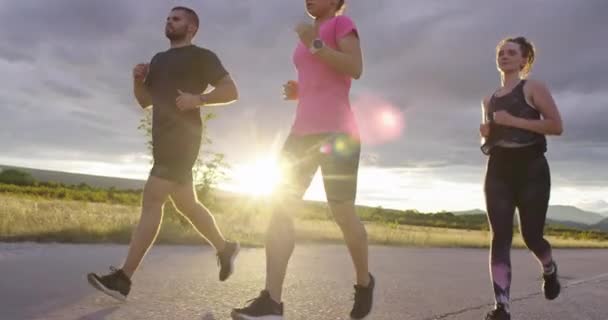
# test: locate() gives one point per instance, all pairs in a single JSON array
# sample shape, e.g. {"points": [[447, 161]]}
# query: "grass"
{"points": [[53, 220]]}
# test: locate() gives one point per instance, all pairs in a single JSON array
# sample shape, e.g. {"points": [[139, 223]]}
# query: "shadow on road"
{"points": [[100, 314], [208, 316]]}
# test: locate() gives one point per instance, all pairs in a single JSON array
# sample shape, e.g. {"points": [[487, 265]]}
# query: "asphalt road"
{"points": [[180, 282]]}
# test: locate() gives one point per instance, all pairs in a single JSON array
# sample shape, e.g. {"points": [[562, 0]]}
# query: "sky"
{"points": [[67, 104]]}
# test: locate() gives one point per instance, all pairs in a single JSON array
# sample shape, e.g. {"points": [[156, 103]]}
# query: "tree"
{"points": [[209, 168], [16, 177]]}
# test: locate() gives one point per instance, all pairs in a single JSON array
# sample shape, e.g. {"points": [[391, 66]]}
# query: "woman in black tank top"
{"points": [[516, 119]]}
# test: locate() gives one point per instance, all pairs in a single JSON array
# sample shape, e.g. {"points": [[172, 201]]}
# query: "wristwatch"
{"points": [[203, 99], [317, 45]]}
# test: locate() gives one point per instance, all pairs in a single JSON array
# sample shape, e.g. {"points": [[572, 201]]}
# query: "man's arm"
{"points": [[140, 90], [224, 92], [141, 94]]}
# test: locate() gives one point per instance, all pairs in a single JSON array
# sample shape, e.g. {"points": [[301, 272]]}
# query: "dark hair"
{"points": [[340, 5], [192, 16], [528, 51]]}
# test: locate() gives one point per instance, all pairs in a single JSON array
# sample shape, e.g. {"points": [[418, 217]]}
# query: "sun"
{"points": [[258, 178]]}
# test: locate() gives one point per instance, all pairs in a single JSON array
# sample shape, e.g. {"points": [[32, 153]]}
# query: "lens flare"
{"points": [[388, 119], [342, 145], [379, 121], [326, 148]]}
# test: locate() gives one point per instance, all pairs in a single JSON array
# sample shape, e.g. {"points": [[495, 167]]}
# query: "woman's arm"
{"points": [[550, 124]]}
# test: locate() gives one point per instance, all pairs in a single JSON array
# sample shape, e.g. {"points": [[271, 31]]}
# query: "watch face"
{"points": [[317, 44]]}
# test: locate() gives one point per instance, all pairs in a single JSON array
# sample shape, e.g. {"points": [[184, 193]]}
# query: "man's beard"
{"points": [[174, 35]]}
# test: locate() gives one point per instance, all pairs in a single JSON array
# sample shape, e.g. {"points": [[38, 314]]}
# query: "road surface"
{"points": [[180, 282]]}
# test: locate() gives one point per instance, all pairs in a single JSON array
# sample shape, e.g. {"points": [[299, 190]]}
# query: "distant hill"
{"points": [[570, 213], [564, 214], [602, 225], [69, 178], [468, 212]]}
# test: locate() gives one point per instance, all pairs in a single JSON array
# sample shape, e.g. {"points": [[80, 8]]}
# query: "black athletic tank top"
{"points": [[515, 104]]}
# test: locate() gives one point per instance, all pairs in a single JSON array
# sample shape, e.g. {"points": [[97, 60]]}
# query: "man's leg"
{"points": [[185, 200], [118, 283], [155, 194]]}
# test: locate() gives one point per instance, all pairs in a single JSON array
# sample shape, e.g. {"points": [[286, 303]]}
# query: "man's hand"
{"points": [[140, 71], [186, 101], [307, 33]]}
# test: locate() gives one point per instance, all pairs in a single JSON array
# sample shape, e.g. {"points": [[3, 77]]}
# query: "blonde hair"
{"points": [[340, 7]]}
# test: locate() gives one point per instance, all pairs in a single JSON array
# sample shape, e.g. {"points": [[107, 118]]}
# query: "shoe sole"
{"points": [[238, 316], [99, 286], [232, 259]]}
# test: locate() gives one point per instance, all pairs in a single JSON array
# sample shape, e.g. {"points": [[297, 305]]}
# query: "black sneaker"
{"points": [[551, 285], [364, 297], [225, 259], [115, 284], [260, 308], [500, 313]]}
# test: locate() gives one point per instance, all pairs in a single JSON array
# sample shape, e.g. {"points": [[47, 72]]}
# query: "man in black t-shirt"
{"points": [[174, 83]]}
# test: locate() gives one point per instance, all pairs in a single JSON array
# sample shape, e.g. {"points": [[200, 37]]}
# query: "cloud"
{"points": [[66, 68]]}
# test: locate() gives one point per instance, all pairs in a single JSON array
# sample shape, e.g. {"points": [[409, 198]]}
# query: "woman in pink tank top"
{"points": [[324, 135]]}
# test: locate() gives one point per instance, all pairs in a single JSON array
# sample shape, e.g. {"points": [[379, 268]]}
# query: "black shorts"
{"points": [[336, 154], [175, 158]]}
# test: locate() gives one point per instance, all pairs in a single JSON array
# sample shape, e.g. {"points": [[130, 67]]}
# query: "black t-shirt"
{"points": [[190, 69]]}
